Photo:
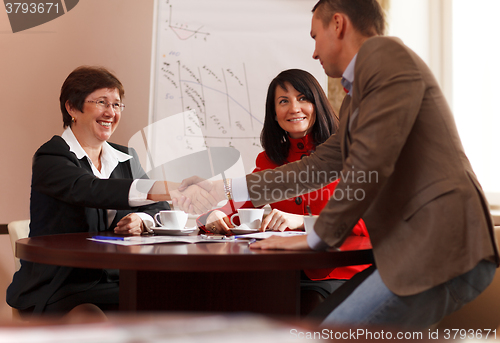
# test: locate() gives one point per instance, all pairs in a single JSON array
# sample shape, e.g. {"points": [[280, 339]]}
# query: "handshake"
{"points": [[196, 196], [193, 195]]}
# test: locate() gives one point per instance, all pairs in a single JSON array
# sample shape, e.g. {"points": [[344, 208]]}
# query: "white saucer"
{"points": [[243, 229], [174, 232]]}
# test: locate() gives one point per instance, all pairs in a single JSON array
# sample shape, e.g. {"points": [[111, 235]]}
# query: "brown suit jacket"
{"points": [[403, 170]]}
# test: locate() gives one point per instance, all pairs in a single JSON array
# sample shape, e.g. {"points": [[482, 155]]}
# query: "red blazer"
{"points": [[316, 201]]}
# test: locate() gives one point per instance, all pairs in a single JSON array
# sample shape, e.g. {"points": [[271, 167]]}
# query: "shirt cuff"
{"points": [[240, 189], [315, 242], [148, 221], [138, 193]]}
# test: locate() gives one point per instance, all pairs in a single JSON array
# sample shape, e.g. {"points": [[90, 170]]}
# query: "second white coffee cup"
{"points": [[172, 219], [252, 217]]}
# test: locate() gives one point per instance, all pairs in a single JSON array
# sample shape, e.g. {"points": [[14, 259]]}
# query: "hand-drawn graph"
{"points": [[204, 89], [220, 100], [183, 31], [214, 61]]}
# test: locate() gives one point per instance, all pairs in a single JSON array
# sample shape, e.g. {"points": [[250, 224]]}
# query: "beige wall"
{"points": [[116, 34], [33, 64]]}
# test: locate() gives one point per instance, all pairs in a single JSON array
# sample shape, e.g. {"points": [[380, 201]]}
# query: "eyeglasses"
{"points": [[103, 104]]}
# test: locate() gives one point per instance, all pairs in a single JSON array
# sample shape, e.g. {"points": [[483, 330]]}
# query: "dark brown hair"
{"points": [[366, 16], [80, 83], [273, 138]]}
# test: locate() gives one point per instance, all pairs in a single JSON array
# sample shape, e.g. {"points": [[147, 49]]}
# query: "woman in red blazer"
{"points": [[298, 118]]}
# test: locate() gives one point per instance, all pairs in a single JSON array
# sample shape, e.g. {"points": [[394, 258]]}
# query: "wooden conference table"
{"points": [[226, 276]]}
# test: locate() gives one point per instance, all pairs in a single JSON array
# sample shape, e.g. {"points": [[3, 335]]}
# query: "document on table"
{"points": [[267, 234], [140, 240]]}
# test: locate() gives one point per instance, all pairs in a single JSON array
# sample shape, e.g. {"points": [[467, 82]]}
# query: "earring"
{"points": [[73, 120]]}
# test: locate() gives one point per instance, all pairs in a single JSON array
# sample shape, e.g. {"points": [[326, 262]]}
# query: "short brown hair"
{"points": [[366, 16], [80, 83]]}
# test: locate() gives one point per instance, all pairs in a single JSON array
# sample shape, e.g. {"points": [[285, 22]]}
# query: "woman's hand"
{"points": [[278, 221], [131, 224], [218, 222]]}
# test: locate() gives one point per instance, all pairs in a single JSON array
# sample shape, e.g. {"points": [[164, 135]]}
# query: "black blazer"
{"points": [[66, 197]]}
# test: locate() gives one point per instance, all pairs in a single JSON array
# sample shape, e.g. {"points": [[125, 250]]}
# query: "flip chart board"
{"points": [[213, 62]]}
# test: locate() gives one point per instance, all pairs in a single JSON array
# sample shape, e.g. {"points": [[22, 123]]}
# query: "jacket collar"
{"points": [[307, 142], [110, 156]]}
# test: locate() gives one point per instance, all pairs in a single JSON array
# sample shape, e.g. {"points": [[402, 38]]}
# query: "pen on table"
{"points": [[253, 240], [110, 238], [218, 237]]}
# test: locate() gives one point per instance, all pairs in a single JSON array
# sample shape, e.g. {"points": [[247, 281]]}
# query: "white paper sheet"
{"points": [[267, 234], [142, 240]]}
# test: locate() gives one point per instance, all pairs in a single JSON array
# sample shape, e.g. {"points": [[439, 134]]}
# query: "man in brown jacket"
{"points": [[402, 169]]}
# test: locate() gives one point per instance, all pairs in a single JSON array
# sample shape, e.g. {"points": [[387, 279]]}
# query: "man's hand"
{"points": [[194, 200], [215, 188], [131, 224], [282, 243], [278, 221]]}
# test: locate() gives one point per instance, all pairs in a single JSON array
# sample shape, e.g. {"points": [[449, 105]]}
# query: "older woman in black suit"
{"points": [[82, 183]]}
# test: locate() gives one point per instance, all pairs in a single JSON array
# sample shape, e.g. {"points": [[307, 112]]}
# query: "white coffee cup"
{"points": [[251, 217], [172, 219], [309, 223]]}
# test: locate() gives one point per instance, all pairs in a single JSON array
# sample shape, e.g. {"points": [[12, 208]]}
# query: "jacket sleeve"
{"points": [[388, 90], [59, 174]]}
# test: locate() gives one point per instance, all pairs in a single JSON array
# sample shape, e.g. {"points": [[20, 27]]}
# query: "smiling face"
{"points": [[294, 113], [95, 125]]}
